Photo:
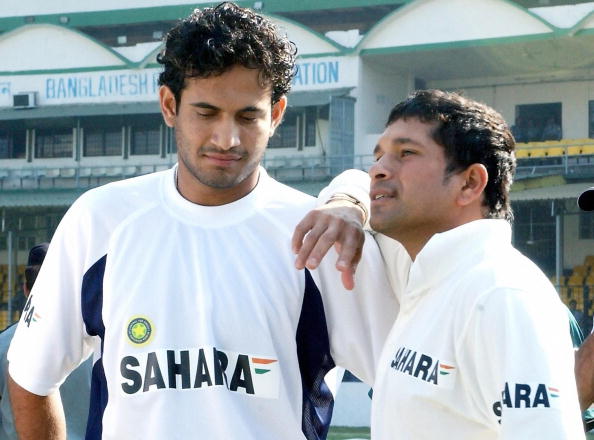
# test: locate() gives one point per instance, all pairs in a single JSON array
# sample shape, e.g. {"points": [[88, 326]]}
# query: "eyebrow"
{"points": [[398, 141], [404, 140], [207, 106]]}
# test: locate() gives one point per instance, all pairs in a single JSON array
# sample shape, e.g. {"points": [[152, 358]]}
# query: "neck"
{"points": [[200, 193], [415, 240]]}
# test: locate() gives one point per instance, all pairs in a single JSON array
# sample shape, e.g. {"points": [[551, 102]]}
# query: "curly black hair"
{"points": [[470, 132], [211, 41]]}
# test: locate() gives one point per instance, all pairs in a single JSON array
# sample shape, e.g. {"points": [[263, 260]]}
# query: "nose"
{"points": [[225, 134], [378, 170]]}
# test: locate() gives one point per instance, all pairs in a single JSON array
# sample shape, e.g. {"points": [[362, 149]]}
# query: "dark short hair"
{"points": [[31, 273], [36, 256], [211, 41], [470, 132]]}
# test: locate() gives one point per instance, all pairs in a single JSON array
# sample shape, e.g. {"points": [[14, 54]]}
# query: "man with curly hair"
{"points": [[182, 283]]}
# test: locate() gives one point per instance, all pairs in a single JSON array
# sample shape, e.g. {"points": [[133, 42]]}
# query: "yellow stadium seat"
{"points": [[588, 149], [555, 151], [577, 292], [522, 153], [537, 152], [3, 319], [574, 150], [580, 269]]}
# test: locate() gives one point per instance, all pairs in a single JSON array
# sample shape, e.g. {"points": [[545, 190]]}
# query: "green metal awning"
{"points": [[320, 97], [39, 198], [557, 192], [59, 111]]}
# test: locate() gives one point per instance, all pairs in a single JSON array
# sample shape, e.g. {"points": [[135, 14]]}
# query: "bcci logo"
{"points": [[140, 330]]}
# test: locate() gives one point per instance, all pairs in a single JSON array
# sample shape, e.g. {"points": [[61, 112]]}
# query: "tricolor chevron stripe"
{"points": [[445, 368], [262, 361], [554, 392]]}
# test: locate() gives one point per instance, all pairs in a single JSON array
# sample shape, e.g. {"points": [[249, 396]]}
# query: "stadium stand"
{"points": [[578, 286], [565, 147], [5, 320]]}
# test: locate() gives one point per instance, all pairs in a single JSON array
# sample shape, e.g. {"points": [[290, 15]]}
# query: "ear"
{"points": [[168, 105], [278, 110], [473, 182]]}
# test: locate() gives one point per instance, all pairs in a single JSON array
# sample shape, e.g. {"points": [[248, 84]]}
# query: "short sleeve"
{"points": [[50, 340], [520, 359]]}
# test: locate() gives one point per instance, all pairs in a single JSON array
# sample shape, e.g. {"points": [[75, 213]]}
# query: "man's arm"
{"points": [[338, 221], [584, 372], [36, 417]]}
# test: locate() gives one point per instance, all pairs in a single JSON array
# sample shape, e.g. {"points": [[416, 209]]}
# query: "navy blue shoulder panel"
{"points": [[315, 360], [92, 312]]}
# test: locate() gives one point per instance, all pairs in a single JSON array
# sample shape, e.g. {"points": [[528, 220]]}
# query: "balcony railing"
{"points": [[287, 169]]}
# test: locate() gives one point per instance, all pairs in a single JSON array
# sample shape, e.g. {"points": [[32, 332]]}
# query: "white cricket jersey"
{"points": [[480, 349], [199, 324]]}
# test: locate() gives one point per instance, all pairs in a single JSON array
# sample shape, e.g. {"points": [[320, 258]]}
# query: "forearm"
{"points": [[36, 417], [584, 372]]}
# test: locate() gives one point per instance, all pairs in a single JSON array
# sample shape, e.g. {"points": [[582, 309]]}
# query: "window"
{"points": [[146, 136], [298, 129], [537, 122], [285, 135], [13, 143], [586, 226], [55, 142], [591, 119], [534, 232], [102, 141], [172, 145], [311, 116]]}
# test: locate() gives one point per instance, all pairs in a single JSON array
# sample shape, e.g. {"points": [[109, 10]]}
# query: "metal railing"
{"points": [[293, 168]]}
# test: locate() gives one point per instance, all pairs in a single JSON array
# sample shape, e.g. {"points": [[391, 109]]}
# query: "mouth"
{"points": [[378, 195], [221, 159]]}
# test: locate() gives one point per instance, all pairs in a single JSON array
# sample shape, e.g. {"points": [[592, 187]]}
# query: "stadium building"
{"points": [[78, 105]]}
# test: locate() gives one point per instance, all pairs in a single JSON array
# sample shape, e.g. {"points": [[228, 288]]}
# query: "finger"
{"points": [[301, 230], [323, 243], [350, 250], [348, 279], [307, 245]]}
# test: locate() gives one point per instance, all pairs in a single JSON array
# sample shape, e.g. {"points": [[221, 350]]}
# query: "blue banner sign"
{"points": [[104, 85]]}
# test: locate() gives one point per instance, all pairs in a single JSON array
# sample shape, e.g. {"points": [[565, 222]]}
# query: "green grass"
{"points": [[342, 433]]}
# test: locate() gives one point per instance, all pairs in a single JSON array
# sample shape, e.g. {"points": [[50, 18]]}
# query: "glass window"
{"points": [[534, 232], [586, 226], [311, 116], [591, 119], [537, 122], [53, 143], [13, 143], [172, 141], [286, 134], [146, 138], [102, 142]]}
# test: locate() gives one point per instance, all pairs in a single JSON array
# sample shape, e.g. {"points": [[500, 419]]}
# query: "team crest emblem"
{"points": [[140, 330]]}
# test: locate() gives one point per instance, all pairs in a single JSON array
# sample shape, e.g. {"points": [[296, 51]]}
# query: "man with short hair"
{"points": [[584, 360], [181, 283], [74, 391], [480, 346]]}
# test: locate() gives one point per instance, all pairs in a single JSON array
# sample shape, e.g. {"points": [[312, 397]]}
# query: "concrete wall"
{"points": [[573, 96], [574, 249], [352, 406], [379, 90]]}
